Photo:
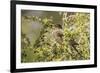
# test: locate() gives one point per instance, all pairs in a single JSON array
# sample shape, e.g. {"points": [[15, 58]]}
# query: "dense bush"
{"points": [[72, 41]]}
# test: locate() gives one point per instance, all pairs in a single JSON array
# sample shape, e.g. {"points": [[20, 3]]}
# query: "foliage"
{"points": [[75, 39]]}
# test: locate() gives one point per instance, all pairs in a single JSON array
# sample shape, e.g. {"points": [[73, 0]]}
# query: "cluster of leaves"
{"points": [[75, 45]]}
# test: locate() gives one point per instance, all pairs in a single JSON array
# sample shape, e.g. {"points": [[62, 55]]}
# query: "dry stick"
{"points": [[78, 52]]}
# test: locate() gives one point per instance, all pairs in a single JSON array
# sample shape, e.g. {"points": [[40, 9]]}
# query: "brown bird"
{"points": [[57, 33]]}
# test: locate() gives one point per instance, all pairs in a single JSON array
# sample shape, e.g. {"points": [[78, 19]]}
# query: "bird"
{"points": [[58, 33]]}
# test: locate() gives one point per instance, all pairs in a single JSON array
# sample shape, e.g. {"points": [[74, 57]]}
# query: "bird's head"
{"points": [[59, 26]]}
